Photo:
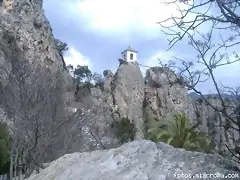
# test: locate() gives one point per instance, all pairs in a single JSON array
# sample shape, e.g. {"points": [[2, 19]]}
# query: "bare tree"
{"points": [[86, 120], [31, 97], [213, 30]]}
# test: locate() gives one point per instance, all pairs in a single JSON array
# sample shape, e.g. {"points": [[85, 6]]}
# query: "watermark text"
{"points": [[206, 175]]}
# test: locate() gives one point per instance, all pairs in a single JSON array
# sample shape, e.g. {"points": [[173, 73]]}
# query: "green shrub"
{"points": [[5, 148], [124, 129], [105, 72], [180, 134]]}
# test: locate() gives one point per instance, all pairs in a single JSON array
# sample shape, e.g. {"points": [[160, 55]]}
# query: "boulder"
{"points": [[139, 160]]}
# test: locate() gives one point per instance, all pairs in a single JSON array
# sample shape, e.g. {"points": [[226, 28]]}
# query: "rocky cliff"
{"points": [[33, 34], [125, 94], [165, 94], [161, 93], [128, 94], [216, 125], [26, 45]]}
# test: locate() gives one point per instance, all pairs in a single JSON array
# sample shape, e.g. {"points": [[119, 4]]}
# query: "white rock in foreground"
{"points": [[138, 160]]}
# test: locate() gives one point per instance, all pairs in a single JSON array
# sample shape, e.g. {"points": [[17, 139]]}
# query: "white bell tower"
{"points": [[129, 55], [8, 4]]}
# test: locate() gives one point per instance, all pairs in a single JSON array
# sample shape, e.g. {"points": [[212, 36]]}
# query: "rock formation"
{"points": [[140, 160], [128, 94], [164, 94], [125, 94], [26, 35], [28, 24], [161, 93], [216, 125]]}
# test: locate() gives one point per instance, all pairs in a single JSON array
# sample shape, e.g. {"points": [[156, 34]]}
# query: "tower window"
{"points": [[131, 56], [124, 56]]}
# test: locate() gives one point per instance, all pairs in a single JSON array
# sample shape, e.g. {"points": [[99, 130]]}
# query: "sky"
{"points": [[97, 31]]}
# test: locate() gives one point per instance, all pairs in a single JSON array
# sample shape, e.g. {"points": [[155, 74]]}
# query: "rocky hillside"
{"points": [[125, 94], [26, 37], [158, 95]]}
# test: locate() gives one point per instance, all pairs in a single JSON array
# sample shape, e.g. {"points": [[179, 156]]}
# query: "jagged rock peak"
{"points": [[160, 76], [128, 94]]}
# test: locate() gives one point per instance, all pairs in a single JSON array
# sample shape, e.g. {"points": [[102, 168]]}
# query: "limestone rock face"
{"points": [[107, 84], [164, 94], [5, 66], [140, 160], [28, 24], [128, 94], [214, 124], [158, 76]]}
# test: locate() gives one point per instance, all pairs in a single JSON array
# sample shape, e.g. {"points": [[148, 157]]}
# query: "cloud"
{"points": [[75, 58], [116, 18], [111, 17], [108, 26]]}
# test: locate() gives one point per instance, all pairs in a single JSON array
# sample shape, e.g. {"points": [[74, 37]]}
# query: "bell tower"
{"points": [[129, 55], [8, 4]]}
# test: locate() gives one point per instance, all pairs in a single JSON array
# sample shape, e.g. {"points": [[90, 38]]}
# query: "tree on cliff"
{"points": [[214, 48], [107, 72], [82, 75], [62, 47]]}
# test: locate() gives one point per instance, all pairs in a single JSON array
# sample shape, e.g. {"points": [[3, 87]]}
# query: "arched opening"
{"points": [[131, 56], [124, 56]]}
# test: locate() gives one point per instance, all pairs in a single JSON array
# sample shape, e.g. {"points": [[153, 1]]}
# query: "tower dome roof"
{"points": [[129, 49]]}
